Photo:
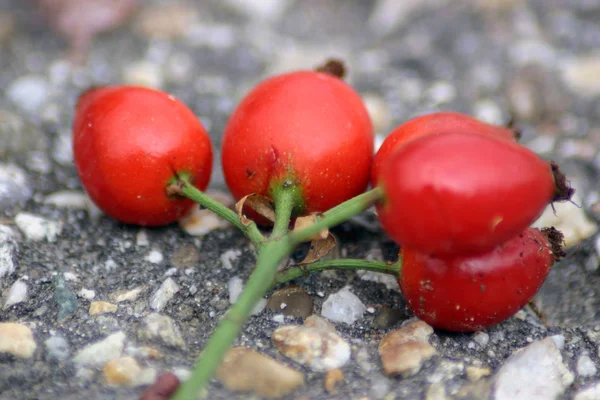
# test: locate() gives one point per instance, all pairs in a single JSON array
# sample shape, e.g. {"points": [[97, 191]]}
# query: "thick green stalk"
{"points": [[191, 192], [298, 271]]}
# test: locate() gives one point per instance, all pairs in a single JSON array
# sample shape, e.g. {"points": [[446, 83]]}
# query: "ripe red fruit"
{"points": [[469, 293], [307, 127], [129, 144], [460, 193], [440, 123]]}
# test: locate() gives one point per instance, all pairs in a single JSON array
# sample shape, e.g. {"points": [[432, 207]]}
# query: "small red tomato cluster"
{"points": [[459, 197], [459, 194]]}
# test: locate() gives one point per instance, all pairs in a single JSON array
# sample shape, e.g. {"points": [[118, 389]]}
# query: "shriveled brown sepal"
{"points": [[333, 67], [262, 205], [562, 187], [319, 249], [556, 239]]}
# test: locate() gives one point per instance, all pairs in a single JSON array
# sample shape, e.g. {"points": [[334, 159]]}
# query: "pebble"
{"points": [[482, 338], [87, 294], [16, 294], [165, 292], [235, 286], [316, 321], [37, 228], [292, 301], [589, 393], [102, 307], [404, 350], [199, 221], [154, 257], [68, 199], [8, 251], [28, 92], [386, 317], [229, 257], [14, 186], [163, 329], [144, 352], [318, 349], [333, 380], [126, 294], [57, 348], [245, 370], [534, 372], [62, 149], [141, 238], [97, 354], [343, 306], [143, 73], [474, 373], [64, 297], [581, 75], [185, 257], [388, 280], [586, 367], [570, 219], [125, 371], [17, 340]]}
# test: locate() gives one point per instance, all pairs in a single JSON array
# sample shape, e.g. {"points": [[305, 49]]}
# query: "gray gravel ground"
{"points": [[537, 60]]}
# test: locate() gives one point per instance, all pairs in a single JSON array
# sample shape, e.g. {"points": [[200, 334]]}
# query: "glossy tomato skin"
{"points": [[438, 123], [129, 142], [460, 193], [469, 293], [306, 126]]}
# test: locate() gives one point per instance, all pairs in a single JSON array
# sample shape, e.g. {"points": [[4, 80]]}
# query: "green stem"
{"points": [[260, 281], [298, 271], [284, 205], [339, 214], [191, 192]]}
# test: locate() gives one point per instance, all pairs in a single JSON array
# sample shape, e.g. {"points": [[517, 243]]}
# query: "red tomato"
{"points": [[307, 127], [129, 143], [460, 193], [469, 293], [439, 122]]}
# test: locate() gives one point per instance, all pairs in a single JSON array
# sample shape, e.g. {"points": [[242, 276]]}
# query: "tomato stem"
{"points": [[338, 214], [298, 271], [285, 201], [191, 192]]}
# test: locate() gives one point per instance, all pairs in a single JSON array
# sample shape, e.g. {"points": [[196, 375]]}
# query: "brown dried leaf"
{"points": [[308, 220], [319, 249], [262, 205]]}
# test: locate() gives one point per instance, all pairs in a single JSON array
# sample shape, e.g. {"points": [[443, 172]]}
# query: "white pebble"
{"points": [[86, 294], [343, 306], [165, 293], [16, 294], [58, 348], [37, 228], [155, 257], [28, 92], [586, 367], [99, 353], [235, 287], [141, 239], [228, 258]]}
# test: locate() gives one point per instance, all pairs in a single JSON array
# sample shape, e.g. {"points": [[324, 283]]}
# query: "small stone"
{"points": [[145, 353], [333, 380], [17, 340], [102, 307], [534, 372], [126, 294], [570, 219], [404, 350], [125, 371], [318, 349], [581, 75], [14, 186], [343, 306], [199, 222], [235, 286], [386, 317], [488, 111], [297, 302], [474, 373], [245, 370], [58, 348], [99, 353], [143, 73], [388, 280], [86, 294], [154, 257], [8, 251], [64, 297], [68, 199], [37, 228], [229, 257], [481, 338], [163, 329], [589, 393], [165, 293], [316, 321], [141, 238], [16, 294], [586, 367], [185, 257], [28, 92]]}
